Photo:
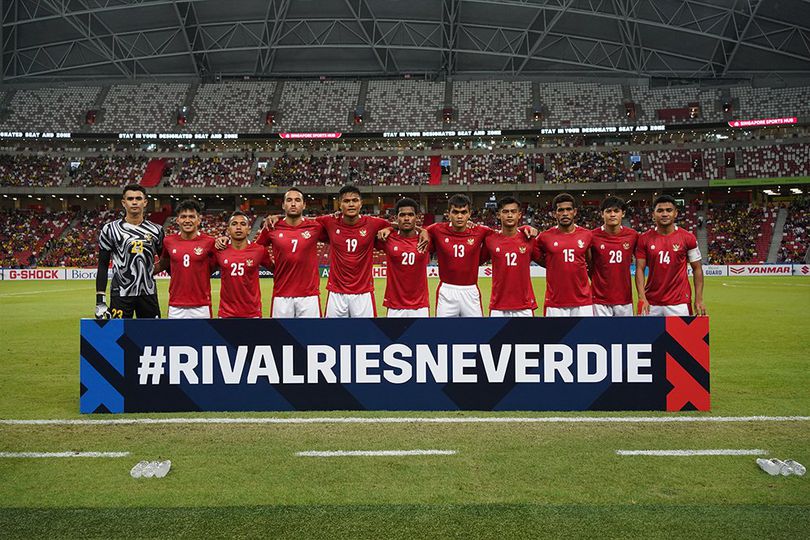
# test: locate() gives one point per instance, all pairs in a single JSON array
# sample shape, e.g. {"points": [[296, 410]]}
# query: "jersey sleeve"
{"points": [[267, 259], [264, 238], [641, 247], [161, 237], [378, 224], [105, 240], [692, 250], [323, 233]]}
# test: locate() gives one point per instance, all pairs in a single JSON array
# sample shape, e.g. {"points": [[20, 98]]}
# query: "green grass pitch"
{"points": [[506, 481]]}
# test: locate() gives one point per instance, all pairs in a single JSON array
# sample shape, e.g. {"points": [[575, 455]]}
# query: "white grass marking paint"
{"points": [[720, 452], [3, 295], [407, 420], [63, 454], [374, 453]]}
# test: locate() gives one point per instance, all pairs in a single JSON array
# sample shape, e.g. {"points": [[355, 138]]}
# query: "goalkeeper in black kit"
{"points": [[132, 244]]}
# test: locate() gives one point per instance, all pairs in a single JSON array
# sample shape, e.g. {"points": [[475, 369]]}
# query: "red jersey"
{"points": [[666, 256], [611, 257], [295, 255], [351, 252], [566, 267], [240, 295], [406, 286], [458, 253], [511, 279], [190, 262]]}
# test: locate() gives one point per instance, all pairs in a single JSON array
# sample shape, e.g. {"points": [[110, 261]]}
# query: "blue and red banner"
{"points": [[533, 364]]}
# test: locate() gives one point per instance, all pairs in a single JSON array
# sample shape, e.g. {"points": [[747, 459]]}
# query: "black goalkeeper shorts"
{"points": [[126, 307]]}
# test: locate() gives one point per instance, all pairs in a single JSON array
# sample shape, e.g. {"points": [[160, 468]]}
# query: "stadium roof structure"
{"points": [[80, 40]]}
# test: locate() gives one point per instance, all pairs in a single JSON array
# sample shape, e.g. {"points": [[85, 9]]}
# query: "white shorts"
{"points": [[511, 313], [345, 306], [198, 312], [408, 313], [296, 307], [458, 301], [616, 310], [678, 310], [579, 311]]}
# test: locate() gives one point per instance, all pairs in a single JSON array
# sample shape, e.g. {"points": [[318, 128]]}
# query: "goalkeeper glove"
{"points": [[102, 312]]}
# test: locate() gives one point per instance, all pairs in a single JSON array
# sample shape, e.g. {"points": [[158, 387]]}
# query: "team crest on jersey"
{"points": [[174, 251], [446, 240], [522, 249], [363, 232], [652, 247], [306, 234], [601, 246], [497, 250], [676, 247], [396, 248], [281, 235], [581, 244], [249, 262], [556, 244], [471, 241], [198, 251], [337, 231], [148, 237], [626, 245]]}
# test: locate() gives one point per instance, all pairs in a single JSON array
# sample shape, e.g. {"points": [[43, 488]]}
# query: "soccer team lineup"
{"points": [[588, 272]]}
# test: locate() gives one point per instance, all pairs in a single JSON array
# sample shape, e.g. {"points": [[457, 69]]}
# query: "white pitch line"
{"points": [[27, 293], [374, 453], [63, 454], [720, 452], [408, 420]]}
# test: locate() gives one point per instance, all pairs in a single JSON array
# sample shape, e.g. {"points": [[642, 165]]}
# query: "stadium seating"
{"points": [[578, 166], [317, 106], [771, 102], [213, 172], [394, 171], [109, 171], [79, 245], [491, 169], [795, 235], [403, 105], [782, 160], [581, 104], [492, 104], [287, 170], [50, 109], [739, 233], [142, 108], [24, 234], [231, 107], [31, 170], [670, 105]]}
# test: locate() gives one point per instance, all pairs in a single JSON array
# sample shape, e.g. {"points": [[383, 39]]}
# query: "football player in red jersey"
{"points": [[294, 242], [351, 238], [565, 250], [611, 255], [240, 295], [666, 250], [189, 257], [458, 246], [406, 286], [511, 255]]}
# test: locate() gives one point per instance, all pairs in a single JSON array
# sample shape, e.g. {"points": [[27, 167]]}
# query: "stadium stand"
{"points": [[739, 233], [78, 246], [109, 171], [782, 160], [316, 106], [231, 107], [288, 170], [671, 105], [213, 172], [394, 171], [403, 105], [795, 234], [24, 234], [681, 164], [492, 104], [143, 108], [575, 166], [31, 170], [583, 104], [50, 109], [771, 102], [491, 169]]}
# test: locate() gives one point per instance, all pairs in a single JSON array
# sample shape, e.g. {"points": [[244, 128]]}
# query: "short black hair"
{"points": [[237, 213], [349, 188], [459, 200], [133, 187], [665, 199], [507, 200], [293, 188], [188, 204], [404, 203], [613, 202], [561, 198]]}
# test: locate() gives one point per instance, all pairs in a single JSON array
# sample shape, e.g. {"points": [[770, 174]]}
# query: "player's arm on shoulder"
{"points": [[102, 311], [538, 255], [264, 237]]}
